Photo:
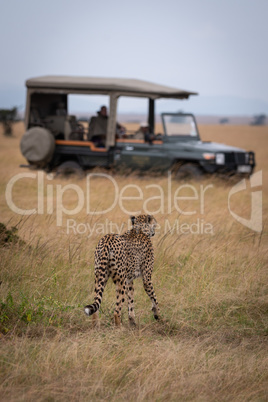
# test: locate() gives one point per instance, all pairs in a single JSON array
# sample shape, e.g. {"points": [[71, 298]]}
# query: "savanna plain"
{"points": [[210, 278]]}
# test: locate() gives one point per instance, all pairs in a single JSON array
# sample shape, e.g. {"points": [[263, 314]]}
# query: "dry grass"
{"points": [[211, 342]]}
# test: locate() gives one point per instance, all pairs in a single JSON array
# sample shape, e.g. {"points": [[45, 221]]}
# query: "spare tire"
{"points": [[38, 145]]}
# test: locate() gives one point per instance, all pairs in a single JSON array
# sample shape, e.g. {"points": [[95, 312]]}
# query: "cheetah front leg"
{"points": [[130, 294], [149, 289]]}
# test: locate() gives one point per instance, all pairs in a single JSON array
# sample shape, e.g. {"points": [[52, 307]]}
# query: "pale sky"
{"points": [[215, 47]]}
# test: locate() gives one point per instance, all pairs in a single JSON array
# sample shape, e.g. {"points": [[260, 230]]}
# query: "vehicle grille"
{"points": [[238, 158]]}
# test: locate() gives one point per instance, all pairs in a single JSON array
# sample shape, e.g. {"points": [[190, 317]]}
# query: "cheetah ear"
{"points": [[149, 218], [132, 218]]}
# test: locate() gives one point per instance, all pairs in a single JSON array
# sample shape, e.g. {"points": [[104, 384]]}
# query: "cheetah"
{"points": [[124, 258]]}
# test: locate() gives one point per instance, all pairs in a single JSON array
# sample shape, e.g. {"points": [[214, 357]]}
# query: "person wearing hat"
{"points": [[97, 128], [144, 133]]}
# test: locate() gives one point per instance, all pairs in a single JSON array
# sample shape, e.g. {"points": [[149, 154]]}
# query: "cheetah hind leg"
{"points": [[96, 320], [120, 294], [149, 289], [131, 313]]}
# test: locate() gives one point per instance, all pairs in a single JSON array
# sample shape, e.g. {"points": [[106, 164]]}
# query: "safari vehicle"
{"points": [[55, 140]]}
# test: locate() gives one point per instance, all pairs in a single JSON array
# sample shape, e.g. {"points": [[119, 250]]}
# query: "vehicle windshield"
{"points": [[179, 125]]}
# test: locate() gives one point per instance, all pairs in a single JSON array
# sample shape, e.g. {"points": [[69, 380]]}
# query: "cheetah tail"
{"points": [[101, 259], [100, 283], [92, 308]]}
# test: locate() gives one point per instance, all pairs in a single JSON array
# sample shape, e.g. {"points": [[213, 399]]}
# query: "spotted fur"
{"points": [[125, 258]]}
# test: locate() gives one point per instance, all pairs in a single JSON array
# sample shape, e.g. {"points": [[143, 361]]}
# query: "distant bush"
{"points": [[224, 120], [9, 236], [83, 118], [7, 118], [258, 120]]}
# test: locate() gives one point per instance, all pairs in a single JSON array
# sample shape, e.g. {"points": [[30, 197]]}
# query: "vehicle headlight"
{"points": [[209, 156], [220, 159]]}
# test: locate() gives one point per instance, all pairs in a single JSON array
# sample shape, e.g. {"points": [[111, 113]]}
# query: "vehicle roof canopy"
{"points": [[101, 85]]}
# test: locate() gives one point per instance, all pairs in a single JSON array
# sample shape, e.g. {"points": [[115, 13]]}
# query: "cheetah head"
{"points": [[144, 224]]}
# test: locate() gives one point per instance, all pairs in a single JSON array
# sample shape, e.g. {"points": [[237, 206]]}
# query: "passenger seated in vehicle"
{"points": [[61, 110], [144, 133], [77, 133], [97, 128], [35, 119]]}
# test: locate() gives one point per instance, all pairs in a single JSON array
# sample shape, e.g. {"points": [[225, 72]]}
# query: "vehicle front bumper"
{"points": [[230, 162]]}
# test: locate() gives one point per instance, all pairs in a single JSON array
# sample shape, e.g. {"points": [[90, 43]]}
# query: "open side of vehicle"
{"points": [[55, 139]]}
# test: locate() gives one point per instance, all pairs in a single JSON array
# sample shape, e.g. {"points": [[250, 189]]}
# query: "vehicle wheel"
{"points": [[189, 171], [70, 168]]}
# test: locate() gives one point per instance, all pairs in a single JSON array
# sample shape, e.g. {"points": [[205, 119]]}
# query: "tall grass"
{"points": [[211, 340], [209, 344]]}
